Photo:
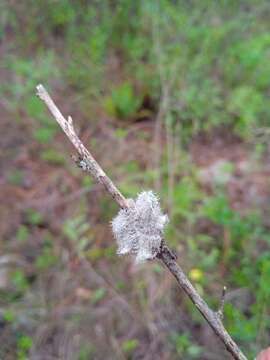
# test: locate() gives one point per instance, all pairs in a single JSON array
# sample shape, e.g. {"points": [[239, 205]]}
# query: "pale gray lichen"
{"points": [[139, 229], [83, 165]]}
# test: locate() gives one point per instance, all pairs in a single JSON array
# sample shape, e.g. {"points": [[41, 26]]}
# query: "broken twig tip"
{"points": [[70, 121], [40, 91], [222, 303]]}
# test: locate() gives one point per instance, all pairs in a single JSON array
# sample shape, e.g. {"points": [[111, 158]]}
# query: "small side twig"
{"points": [[222, 303], [88, 163]]}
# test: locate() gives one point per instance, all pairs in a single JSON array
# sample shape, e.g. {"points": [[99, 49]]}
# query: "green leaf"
{"points": [[98, 295], [46, 259], [16, 177], [22, 233], [34, 217], [122, 103], [25, 343], [130, 345], [9, 316], [19, 280], [44, 134], [53, 157]]}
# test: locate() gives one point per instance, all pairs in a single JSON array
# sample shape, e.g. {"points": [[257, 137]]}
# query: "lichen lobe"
{"points": [[139, 229]]}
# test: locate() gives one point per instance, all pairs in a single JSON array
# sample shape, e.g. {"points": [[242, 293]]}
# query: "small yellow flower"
{"points": [[195, 274]]}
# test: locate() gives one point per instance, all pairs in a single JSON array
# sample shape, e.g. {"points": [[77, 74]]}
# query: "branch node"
{"points": [[80, 162], [164, 249]]}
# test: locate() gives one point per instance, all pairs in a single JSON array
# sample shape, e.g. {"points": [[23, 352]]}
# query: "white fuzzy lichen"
{"points": [[139, 229]]}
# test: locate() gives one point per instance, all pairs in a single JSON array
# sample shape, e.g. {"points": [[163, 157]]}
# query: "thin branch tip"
{"points": [[39, 88], [41, 92]]}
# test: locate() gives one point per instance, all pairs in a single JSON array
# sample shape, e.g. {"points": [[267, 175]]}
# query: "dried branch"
{"points": [[88, 163], [210, 316]]}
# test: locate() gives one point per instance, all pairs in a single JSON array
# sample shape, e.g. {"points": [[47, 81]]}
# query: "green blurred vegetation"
{"points": [[213, 54], [212, 60]]}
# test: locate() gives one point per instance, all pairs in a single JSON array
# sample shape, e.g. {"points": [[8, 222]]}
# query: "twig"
{"points": [[210, 316], [87, 162], [222, 303], [86, 158]]}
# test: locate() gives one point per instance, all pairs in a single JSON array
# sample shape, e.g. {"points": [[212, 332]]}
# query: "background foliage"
{"points": [[179, 91]]}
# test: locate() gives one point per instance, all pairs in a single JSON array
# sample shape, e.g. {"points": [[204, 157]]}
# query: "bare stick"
{"points": [[87, 162], [210, 316], [222, 303]]}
